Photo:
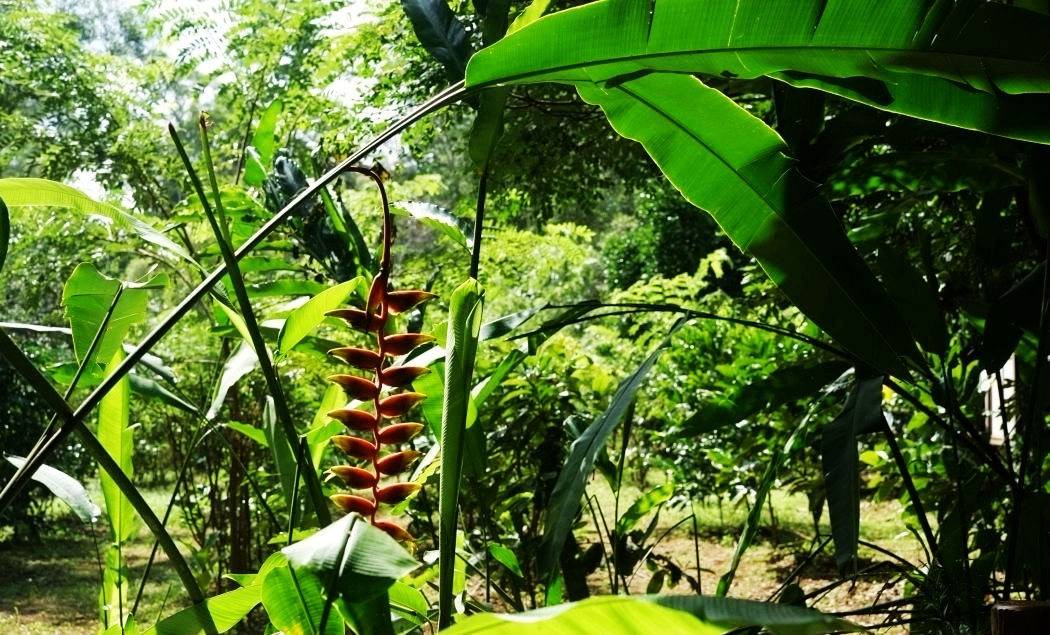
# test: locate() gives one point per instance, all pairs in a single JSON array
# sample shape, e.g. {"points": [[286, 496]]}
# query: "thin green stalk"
{"points": [[609, 564], [446, 97], [631, 308], [47, 392], [81, 369], [696, 550], [224, 226], [479, 221], [313, 483], [913, 492], [817, 548], [295, 497]]}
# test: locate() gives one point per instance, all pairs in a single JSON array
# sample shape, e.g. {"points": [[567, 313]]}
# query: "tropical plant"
{"points": [[639, 63]]}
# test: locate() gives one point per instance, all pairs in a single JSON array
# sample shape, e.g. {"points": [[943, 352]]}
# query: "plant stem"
{"points": [[479, 221], [35, 379], [446, 97], [913, 493], [273, 383]]}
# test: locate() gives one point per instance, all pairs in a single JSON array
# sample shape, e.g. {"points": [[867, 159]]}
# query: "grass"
{"points": [[786, 546], [51, 585]]}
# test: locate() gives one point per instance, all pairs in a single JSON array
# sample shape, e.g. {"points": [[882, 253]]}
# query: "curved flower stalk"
{"points": [[374, 427]]}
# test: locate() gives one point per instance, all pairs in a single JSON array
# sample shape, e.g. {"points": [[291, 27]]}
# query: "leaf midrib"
{"points": [[769, 206], [519, 77]]}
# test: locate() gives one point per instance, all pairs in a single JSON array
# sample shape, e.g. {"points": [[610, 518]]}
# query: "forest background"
{"points": [[626, 331]]}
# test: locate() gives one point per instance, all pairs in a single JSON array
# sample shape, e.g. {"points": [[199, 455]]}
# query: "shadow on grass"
{"points": [[50, 582]]}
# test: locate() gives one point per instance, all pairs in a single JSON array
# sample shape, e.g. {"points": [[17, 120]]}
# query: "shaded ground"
{"points": [[52, 586], [49, 587]]}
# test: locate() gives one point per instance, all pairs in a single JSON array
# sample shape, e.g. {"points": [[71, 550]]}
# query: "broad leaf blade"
{"points": [[914, 298], [841, 463], [305, 319], [730, 164], [147, 387], [295, 603], [65, 487], [242, 362], [565, 499], [116, 437], [441, 34], [899, 55], [436, 218], [779, 619], [464, 326], [28, 192], [226, 610], [88, 297], [595, 616], [365, 560], [643, 505]]}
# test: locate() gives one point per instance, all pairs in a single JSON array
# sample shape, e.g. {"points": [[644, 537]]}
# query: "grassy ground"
{"points": [[784, 548], [51, 586]]}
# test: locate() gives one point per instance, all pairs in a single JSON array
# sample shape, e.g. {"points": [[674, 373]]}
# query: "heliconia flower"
{"points": [[403, 343], [398, 432], [379, 377], [401, 301], [395, 530], [357, 319], [399, 376], [399, 404], [354, 477], [396, 462], [396, 492], [355, 447], [361, 420], [356, 504], [356, 387], [357, 357]]}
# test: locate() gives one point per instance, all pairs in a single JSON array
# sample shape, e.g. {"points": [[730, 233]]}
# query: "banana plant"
{"points": [[639, 62]]}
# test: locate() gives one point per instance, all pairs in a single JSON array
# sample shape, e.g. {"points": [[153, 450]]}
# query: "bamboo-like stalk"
{"points": [[34, 460]]}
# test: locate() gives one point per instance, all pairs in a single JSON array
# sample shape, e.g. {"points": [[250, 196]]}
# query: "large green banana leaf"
{"points": [[731, 164], [976, 65], [968, 64]]}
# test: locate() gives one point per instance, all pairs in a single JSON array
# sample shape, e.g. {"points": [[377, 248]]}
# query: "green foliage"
{"points": [[464, 325], [665, 237], [916, 246], [906, 52]]}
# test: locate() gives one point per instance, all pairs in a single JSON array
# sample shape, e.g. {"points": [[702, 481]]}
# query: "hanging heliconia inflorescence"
{"points": [[375, 427]]}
